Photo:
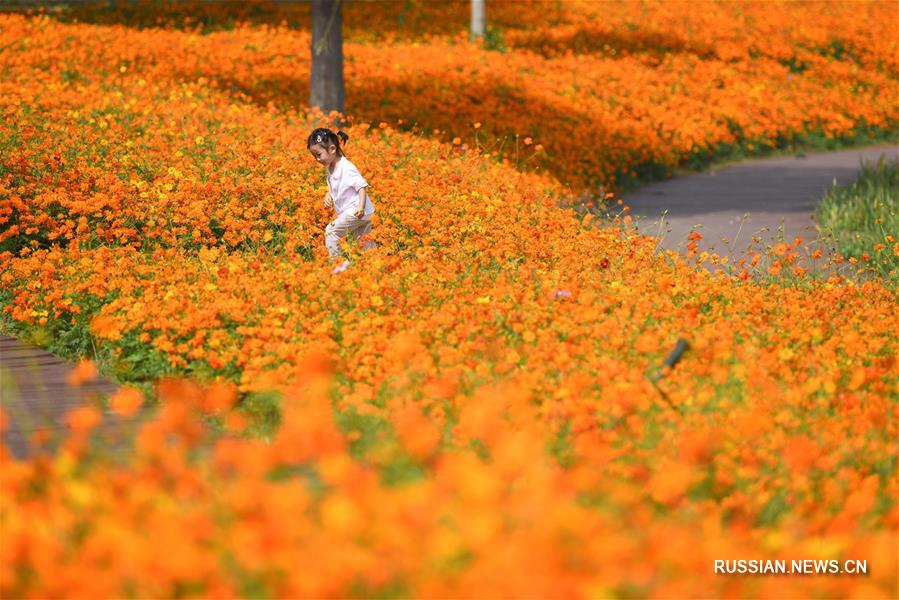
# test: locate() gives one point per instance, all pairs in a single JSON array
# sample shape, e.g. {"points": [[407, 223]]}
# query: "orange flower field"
{"points": [[611, 91], [467, 410]]}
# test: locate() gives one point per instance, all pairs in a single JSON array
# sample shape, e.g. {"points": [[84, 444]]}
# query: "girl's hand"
{"points": [[328, 201]]}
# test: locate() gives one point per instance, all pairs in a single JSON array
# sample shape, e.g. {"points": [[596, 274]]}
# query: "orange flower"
{"points": [[219, 397], [83, 418], [780, 249], [84, 371], [671, 480], [126, 401], [417, 433]]}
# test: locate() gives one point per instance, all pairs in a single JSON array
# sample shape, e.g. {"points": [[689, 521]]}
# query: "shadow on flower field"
{"points": [[641, 90]]}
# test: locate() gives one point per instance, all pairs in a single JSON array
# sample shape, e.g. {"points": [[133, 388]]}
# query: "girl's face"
{"points": [[322, 155]]}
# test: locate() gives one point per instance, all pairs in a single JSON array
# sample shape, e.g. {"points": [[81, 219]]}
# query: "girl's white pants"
{"points": [[345, 224]]}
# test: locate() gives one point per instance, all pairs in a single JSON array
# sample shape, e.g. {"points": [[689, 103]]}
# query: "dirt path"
{"points": [[773, 191], [34, 392]]}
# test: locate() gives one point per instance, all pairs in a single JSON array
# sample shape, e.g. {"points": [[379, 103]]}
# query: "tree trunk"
{"points": [[478, 18], [326, 83]]}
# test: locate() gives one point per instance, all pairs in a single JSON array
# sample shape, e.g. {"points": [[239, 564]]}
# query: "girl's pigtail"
{"points": [[343, 137]]}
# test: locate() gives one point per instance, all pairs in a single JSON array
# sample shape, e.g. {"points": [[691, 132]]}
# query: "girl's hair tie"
{"points": [[325, 137]]}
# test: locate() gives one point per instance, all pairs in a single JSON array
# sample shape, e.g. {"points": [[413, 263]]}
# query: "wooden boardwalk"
{"points": [[35, 394]]}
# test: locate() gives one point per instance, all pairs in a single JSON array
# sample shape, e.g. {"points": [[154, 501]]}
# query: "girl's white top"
{"points": [[344, 184]]}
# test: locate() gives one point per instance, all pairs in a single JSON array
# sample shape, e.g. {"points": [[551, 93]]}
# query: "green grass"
{"points": [[863, 217]]}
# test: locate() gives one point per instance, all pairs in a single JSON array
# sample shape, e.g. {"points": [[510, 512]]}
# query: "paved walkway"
{"points": [[770, 192], [34, 392]]}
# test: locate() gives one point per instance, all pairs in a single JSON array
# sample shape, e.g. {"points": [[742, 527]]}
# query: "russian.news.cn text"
{"points": [[791, 567]]}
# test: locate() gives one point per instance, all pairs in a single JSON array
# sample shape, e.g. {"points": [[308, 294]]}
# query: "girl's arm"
{"points": [[360, 210], [328, 200]]}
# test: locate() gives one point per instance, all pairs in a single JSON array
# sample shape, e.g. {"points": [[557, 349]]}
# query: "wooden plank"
{"points": [[34, 393]]}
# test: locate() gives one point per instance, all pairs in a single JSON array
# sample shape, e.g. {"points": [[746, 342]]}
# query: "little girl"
{"points": [[346, 192]]}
